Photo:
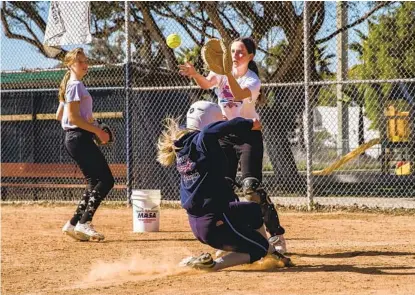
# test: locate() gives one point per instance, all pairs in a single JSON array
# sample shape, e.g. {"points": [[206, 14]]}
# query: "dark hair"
{"points": [[251, 48]]}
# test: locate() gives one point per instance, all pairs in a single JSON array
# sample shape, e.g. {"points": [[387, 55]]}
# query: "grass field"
{"points": [[335, 253]]}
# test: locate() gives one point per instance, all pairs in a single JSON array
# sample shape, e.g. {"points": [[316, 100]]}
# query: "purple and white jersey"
{"points": [[76, 91], [231, 108]]}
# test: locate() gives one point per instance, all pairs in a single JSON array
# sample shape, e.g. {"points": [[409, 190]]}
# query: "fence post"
{"points": [[342, 107], [129, 138], [308, 109]]}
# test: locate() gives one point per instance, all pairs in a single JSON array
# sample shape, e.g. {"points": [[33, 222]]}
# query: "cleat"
{"points": [[203, 261], [284, 259], [279, 243], [69, 230], [87, 232]]}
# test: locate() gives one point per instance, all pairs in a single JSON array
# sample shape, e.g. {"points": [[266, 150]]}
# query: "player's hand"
{"points": [[187, 70], [103, 136], [256, 124]]}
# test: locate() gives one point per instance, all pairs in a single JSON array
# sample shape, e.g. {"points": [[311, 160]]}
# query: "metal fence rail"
{"points": [[338, 122]]}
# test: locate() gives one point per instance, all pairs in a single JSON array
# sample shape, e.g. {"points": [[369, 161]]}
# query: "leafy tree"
{"points": [[387, 52]]}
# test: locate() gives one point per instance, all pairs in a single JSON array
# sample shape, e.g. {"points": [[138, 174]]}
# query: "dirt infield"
{"points": [[335, 253]]}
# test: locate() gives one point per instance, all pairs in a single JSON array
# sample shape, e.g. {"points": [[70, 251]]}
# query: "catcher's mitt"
{"points": [[217, 56], [107, 129]]}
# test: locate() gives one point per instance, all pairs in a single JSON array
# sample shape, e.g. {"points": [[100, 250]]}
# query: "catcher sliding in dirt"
{"points": [[214, 217], [234, 76]]}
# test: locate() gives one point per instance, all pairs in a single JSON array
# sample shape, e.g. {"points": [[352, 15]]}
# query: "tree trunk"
{"points": [[279, 120]]}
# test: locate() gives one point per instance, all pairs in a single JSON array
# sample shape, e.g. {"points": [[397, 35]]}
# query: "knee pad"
{"points": [[254, 192]]}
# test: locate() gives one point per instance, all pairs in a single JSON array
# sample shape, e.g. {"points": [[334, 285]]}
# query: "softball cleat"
{"points": [[203, 261], [88, 232], [69, 230]]}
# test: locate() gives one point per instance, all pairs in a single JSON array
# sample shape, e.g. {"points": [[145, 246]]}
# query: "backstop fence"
{"points": [[338, 78]]}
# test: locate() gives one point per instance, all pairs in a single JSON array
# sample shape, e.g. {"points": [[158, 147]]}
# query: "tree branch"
{"points": [[357, 22], [233, 31], [182, 22], [186, 23], [11, 35], [211, 10], [241, 15], [25, 24], [273, 12], [289, 11], [31, 12], [319, 13], [99, 33], [157, 34]]}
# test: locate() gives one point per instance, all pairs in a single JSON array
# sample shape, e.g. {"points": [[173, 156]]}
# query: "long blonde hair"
{"points": [[166, 154], [70, 59]]}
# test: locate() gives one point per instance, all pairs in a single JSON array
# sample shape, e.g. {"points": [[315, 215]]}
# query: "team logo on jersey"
{"points": [[227, 99], [226, 92], [187, 169]]}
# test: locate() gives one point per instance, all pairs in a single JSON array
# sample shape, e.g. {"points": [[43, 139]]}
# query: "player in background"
{"points": [[214, 217], [238, 93], [75, 114]]}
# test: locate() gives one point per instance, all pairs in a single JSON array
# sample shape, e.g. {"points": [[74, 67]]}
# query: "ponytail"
{"points": [[62, 87], [69, 59], [166, 154], [261, 100], [253, 67]]}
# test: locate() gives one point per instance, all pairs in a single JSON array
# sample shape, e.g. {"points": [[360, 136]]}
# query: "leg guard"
{"points": [[255, 193]]}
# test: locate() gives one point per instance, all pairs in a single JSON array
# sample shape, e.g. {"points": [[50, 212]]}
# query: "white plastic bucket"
{"points": [[146, 210]]}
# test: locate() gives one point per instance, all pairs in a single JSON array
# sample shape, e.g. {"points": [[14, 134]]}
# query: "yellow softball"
{"points": [[173, 40]]}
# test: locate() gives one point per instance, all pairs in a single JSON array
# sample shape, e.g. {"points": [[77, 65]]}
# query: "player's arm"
{"points": [[235, 126], [203, 82], [59, 111], [210, 134], [238, 92]]}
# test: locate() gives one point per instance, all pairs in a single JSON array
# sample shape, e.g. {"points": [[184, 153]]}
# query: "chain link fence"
{"points": [[358, 82]]}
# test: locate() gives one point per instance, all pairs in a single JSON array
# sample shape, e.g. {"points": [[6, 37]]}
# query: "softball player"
{"points": [[75, 114], [238, 92], [205, 193]]}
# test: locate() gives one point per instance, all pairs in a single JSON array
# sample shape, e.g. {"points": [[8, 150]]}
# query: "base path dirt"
{"points": [[335, 253]]}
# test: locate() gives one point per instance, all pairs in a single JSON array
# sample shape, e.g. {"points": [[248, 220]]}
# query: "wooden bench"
{"points": [[43, 172]]}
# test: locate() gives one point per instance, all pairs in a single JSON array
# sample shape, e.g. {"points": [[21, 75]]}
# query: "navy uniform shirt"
{"points": [[202, 166]]}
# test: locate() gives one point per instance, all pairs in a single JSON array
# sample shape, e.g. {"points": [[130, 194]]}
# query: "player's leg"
{"points": [[217, 231], [93, 165], [248, 243], [251, 166], [98, 167], [227, 144], [232, 233], [73, 144]]}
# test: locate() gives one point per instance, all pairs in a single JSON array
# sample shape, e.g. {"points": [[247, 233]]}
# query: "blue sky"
{"points": [[16, 54]]}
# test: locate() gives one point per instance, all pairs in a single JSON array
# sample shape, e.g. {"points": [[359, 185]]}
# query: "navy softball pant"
{"points": [[233, 230]]}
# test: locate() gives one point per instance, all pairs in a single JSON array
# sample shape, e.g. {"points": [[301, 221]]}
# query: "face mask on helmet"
{"points": [[201, 114]]}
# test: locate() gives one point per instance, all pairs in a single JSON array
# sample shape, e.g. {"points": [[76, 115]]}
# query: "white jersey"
{"points": [[231, 108]]}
